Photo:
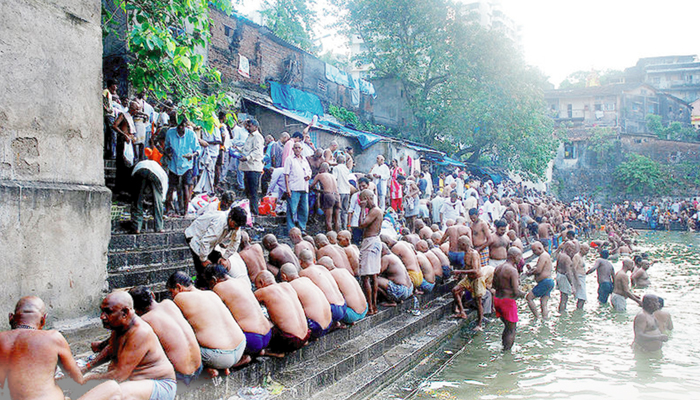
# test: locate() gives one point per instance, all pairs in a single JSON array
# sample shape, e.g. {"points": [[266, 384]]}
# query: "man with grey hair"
{"points": [[342, 178], [381, 174]]}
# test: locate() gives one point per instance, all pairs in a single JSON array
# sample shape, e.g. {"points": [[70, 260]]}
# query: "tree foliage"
{"points": [[163, 41], [293, 21], [603, 143], [581, 79], [469, 89], [641, 175], [674, 131]]}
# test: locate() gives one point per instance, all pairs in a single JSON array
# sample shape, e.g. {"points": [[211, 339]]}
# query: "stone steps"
{"points": [[386, 347], [153, 275]]}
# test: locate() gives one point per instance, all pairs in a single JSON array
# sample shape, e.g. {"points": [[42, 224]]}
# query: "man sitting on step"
{"points": [[350, 288], [173, 331], [316, 306], [324, 280], [221, 340], [280, 254], [244, 307], [291, 331]]}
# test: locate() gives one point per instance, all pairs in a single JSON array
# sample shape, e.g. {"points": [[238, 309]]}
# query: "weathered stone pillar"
{"points": [[54, 207]]}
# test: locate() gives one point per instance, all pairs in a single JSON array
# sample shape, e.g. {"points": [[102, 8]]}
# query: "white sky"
{"points": [[563, 36]]}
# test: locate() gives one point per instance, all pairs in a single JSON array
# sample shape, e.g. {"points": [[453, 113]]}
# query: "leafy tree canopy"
{"points": [[293, 21], [581, 79], [163, 40], [640, 175], [675, 130], [469, 89]]}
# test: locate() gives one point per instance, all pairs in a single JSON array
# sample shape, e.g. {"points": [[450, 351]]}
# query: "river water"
{"points": [[586, 354]]}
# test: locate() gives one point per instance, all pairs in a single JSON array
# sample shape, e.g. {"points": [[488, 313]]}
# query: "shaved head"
{"points": [[327, 262], [306, 256], [289, 271], [264, 278], [30, 305]]}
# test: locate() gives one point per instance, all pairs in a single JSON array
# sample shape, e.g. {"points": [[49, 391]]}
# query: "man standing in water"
{"points": [[621, 291], [371, 249], [647, 336], [506, 287], [605, 274], [565, 275], [543, 276]]}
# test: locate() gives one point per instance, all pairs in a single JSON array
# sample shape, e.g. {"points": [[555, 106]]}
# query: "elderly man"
{"points": [[279, 254], [29, 355], [209, 230], [336, 253], [297, 174], [316, 306], [173, 331], [251, 162], [381, 174], [139, 367], [182, 146]]}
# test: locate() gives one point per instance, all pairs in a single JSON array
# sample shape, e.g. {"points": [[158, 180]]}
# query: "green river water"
{"points": [[586, 354]]}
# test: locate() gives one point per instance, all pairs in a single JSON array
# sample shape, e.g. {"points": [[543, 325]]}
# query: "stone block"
{"points": [[53, 245]]}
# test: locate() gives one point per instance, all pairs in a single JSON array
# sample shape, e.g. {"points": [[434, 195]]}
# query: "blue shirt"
{"points": [[181, 145]]}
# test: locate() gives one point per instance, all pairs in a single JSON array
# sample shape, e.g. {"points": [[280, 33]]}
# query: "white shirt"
{"points": [[384, 175], [469, 203], [342, 177], [240, 134], [437, 207], [356, 209], [209, 230], [277, 184], [429, 178], [296, 168], [451, 210], [157, 170]]}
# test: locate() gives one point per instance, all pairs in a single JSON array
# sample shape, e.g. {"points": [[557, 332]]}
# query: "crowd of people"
{"points": [[660, 214], [391, 235]]}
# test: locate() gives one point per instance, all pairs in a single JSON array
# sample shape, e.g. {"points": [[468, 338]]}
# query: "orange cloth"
{"points": [[153, 154]]}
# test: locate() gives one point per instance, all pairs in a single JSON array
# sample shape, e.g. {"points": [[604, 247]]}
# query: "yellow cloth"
{"points": [[477, 287], [416, 278]]}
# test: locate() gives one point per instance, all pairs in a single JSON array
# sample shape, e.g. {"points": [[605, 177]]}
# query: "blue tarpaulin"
{"points": [[450, 161], [365, 139], [303, 103], [333, 74]]}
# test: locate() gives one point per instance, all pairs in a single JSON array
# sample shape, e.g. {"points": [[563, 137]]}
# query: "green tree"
{"points": [[639, 175], [293, 21], [655, 126], [603, 143], [469, 89], [162, 40]]}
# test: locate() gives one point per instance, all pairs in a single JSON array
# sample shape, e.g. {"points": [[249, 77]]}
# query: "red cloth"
{"points": [[395, 188], [397, 204], [506, 309]]}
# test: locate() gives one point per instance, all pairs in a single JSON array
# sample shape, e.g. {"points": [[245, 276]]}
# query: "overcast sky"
{"points": [[563, 36]]}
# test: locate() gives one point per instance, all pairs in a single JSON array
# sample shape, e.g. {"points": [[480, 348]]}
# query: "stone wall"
{"points": [[54, 207]]}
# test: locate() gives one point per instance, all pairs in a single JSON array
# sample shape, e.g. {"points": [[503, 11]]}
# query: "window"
{"points": [[570, 110], [569, 151], [598, 107], [227, 30]]}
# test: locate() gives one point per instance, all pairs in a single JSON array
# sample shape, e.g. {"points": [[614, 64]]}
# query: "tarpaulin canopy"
{"points": [[365, 139], [450, 161], [303, 103]]}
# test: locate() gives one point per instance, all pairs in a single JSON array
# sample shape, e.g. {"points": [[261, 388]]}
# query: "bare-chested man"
{"points": [[566, 279], [423, 247], [640, 277], [663, 317], [280, 254], [394, 283], [244, 307], [351, 251], [290, 331], [543, 276], [647, 335], [370, 249], [221, 340], [428, 273], [425, 232], [506, 286], [544, 232], [29, 355], [357, 306], [480, 236], [322, 278], [605, 274], [515, 240], [621, 290], [328, 199], [444, 260], [252, 255], [332, 237], [333, 251], [473, 281], [299, 243], [498, 244], [451, 236], [139, 368], [408, 257], [316, 306], [174, 332]]}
